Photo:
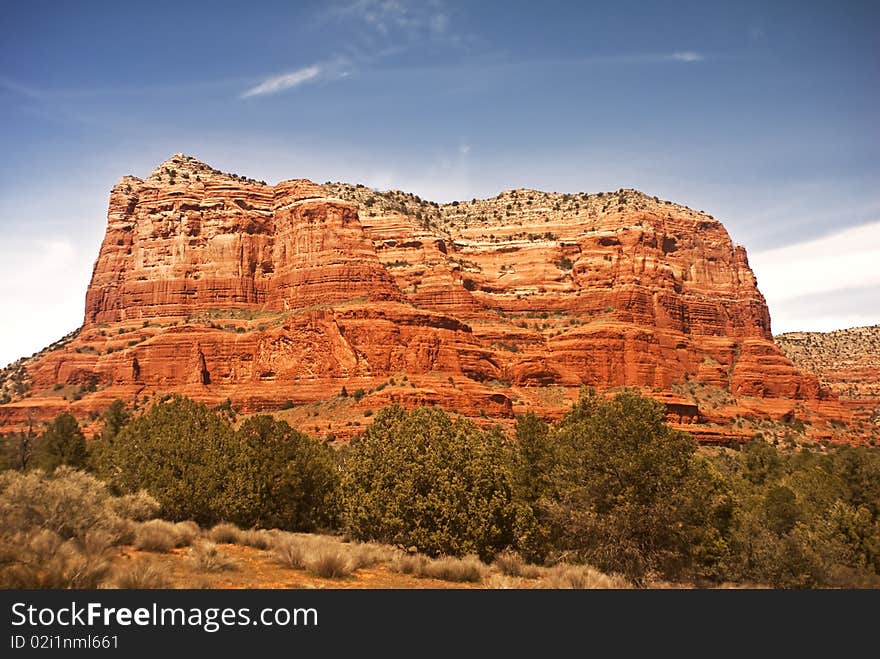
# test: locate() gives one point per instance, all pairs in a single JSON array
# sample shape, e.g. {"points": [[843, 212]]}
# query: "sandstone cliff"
{"points": [[219, 286]]}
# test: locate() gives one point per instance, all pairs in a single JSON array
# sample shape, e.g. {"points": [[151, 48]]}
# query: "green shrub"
{"points": [[420, 479], [62, 443], [179, 452], [279, 478], [633, 497], [188, 457]]}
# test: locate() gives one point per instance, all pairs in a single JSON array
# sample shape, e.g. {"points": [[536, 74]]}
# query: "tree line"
{"points": [[610, 484]]}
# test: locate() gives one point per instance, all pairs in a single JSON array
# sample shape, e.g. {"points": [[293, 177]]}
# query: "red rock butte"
{"points": [[217, 286]]}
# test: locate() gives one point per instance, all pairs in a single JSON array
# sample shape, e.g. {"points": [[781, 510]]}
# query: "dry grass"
{"points": [[68, 502], [509, 563], [290, 553], [327, 556], [580, 577], [43, 560], [205, 557], [72, 568], [186, 532], [59, 530], [413, 564], [226, 534], [469, 569], [530, 571], [65, 530], [141, 574], [257, 538], [331, 564], [98, 541], [368, 554], [137, 507], [156, 535]]}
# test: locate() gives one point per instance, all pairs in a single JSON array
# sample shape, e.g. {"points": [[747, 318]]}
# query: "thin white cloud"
{"points": [[390, 16], [379, 28], [839, 264], [284, 81], [687, 56], [43, 287]]}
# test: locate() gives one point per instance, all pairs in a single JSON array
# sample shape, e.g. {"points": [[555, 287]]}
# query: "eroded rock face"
{"points": [[220, 287], [197, 240]]}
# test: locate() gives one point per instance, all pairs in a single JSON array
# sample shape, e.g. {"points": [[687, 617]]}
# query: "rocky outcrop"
{"points": [[848, 363], [218, 286]]}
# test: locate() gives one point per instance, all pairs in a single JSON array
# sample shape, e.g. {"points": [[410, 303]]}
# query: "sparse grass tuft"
{"points": [[156, 535], [331, 564], [580, 577], [186, 532], [161, 536], [205, 557], [289, 553], [413, 564], [142, 574], [368, 554], [256, 538], [509, 563], [225, 533], [137, 507], [468, 569]]}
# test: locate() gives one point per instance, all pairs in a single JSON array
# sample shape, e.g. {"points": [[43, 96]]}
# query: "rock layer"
{"points": [[218, 286]]}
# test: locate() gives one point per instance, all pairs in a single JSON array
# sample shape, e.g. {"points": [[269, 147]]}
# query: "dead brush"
{"points": [[257, 538], [156, 535], [72, 568], [289, 553], [68, 502], [580, 577], [141, 575], [330, 564], [368, 554], [509, 563], [138, 507], [468, 569], [205, 557], [225, 534], [411, 564], [186, 532], [41, 559]]}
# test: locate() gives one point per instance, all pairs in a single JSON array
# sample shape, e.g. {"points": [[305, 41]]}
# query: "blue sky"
{"points": [[764, 114]]}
